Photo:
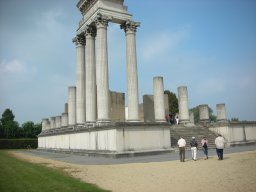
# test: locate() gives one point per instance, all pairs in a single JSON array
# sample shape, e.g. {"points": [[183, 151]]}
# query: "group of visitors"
{"points": [[219, 143]]}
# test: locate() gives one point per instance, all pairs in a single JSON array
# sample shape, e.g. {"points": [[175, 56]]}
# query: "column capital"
{"points": [[130, 26], [101, 21], [90, 31], [79, 40]]}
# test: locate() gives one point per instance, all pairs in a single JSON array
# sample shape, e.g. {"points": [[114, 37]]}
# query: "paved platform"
{"points": [[85, 160]]}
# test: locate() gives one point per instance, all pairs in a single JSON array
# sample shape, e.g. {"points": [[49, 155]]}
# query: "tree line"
{"points": [[9, 128]]}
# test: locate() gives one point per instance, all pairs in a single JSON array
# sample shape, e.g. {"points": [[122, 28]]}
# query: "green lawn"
{"points": [[17, 175]]}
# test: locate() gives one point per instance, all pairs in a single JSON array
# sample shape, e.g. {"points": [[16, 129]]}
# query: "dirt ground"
{"points": [[237, 172]]}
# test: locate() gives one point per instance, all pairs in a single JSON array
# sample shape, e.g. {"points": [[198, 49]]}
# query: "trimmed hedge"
{"points": [[18, 143]]}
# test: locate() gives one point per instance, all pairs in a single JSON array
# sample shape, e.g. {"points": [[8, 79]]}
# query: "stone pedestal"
{"points": [[159, 99], [183, 104], [204, 113], [131, 70], [72, 106], [221, 112], [80, 79], [91, 111]]}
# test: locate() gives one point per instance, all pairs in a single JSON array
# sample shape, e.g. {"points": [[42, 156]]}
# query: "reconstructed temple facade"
{"points": [[94, 120]]}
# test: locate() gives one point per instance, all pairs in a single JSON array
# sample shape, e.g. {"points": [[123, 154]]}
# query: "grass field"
{"points": [[17, 175]]}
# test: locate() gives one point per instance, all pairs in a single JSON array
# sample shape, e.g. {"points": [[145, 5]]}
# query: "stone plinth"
{"points": [[159, 107], [204, 113], [221, 112], [183, 104], [113, 140]]}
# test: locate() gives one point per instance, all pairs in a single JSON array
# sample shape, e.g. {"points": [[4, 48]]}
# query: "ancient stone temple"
{"points": [[93, 121]]}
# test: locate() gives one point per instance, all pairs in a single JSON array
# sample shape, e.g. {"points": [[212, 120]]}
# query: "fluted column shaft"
{"points": [[131, 70], [159, 99], [102, 70], [52, 123], [80, 79], [91, 110], [72, 106], [183, 104]]}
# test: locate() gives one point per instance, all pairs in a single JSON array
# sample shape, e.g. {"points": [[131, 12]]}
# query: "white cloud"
{"points": [[13, 67], [158, 44]]}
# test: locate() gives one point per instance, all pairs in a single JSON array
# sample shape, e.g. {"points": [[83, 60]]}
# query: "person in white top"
{"points": [[220, 144], [182, 143]]}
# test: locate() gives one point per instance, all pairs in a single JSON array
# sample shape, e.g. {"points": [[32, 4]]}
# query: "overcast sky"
{"points": [[207, 45]]}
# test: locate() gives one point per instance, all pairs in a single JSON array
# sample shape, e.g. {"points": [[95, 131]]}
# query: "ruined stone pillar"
{"points": [[48, 126], [64, 119], [183, 104], [159, 99], [221, 112], [44, 124], [66, 108], [191, 117], [80, 79], [91, 111], [102, 70], [72, 106], [52, 123], [131, 70], [58, 121], [204, 113]]}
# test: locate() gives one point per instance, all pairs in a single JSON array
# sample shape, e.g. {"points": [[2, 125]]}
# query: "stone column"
{"points": [[80, 79], [58, 121], [159, 99], [131, 70], [191, 117], [52, 123], [183, 104], [72, 106], [66, 108], [91, 111], [64, 119], [221, 112], [44, 124], [204, 113], [48, 126], [102, 69]]}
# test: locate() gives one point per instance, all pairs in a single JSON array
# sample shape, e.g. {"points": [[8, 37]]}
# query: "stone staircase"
{"points": [[187, 132]]}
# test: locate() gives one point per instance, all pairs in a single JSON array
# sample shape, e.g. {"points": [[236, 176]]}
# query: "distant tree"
{"points": [[31, 130], [195, 110], [234, 119], [9, 126], [173, 102]]}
